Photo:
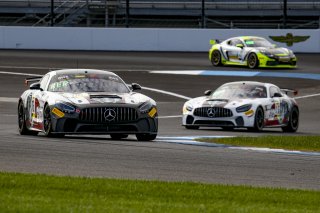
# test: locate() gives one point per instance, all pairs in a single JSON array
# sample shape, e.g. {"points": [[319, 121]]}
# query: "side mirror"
{"points": [[207, 92], [212, 42], [135, 86], [35, 86], [239, 45], [277, 95]]}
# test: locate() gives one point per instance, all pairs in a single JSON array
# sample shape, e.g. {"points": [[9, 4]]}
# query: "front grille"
{"points": [[108, 115], [212, 112]]}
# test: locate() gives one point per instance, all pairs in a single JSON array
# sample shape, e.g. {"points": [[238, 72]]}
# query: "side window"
{"points": [[44, 82], [234, 42], [274, 90]]}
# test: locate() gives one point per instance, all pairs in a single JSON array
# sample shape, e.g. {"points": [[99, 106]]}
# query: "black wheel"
{"points": [[118, 136], [191, 127], [293, 122], [23, 130], [258, 120], [146, 137], [216, 58], [253, 61], [47, 124]]}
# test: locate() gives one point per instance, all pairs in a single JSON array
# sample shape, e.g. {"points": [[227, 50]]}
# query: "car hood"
{"points": [[228, 103], [275, 51], [102, 98]]}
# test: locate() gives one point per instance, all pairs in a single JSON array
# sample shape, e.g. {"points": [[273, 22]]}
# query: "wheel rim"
{"points": [[47, 119], [216, 58], [260, 119], [20, 116], [295, 119], [252, 60]]}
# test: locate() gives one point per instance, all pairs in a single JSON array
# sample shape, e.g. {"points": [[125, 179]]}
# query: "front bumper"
{"points": [[94, 123], [278, 62], [237, 120]]}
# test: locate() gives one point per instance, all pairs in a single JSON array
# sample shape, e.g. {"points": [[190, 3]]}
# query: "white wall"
{"points": [[137, 39]]}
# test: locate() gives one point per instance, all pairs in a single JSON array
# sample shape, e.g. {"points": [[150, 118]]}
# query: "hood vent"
{"points": [[105, 96]]}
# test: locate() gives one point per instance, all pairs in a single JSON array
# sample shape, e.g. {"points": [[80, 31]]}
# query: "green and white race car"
{"points": [[250, 51]]}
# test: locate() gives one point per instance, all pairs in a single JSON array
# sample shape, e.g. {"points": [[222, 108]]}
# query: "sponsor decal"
{"points": [[289, 39], [249, 113], [152, 112], [57, 112]]}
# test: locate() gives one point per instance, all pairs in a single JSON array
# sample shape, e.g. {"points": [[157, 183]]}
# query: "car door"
{"points": [[232, 51], [279, 107], [37, 104]]}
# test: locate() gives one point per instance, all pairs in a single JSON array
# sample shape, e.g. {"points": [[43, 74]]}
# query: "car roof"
{"points": [[245, 37], [80, 71], [251, 82]]}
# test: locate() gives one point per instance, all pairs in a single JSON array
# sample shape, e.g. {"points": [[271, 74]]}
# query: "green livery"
{"points": [[250, 51]]}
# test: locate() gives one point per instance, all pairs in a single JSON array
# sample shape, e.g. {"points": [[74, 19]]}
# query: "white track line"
{"points": [[171, 116], [167, 93], [307, 96], [19, 73], [146, 88]]}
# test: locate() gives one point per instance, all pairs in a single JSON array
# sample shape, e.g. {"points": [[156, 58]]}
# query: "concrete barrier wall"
{"points": [[145, 39]]}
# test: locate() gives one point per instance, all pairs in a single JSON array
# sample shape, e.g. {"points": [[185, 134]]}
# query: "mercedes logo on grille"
{"points": [[211, 112], [110, 114]]}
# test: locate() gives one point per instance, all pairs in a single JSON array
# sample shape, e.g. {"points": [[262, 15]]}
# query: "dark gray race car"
{"points": [[86, 101]]}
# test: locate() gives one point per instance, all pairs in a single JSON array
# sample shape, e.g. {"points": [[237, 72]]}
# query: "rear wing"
{"points": [[214, 41], [285, 90], [32, 79]]}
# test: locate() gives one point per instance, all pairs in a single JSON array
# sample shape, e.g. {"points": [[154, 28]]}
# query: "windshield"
{"points": [[257, 42], [87, 83], [243, 91]]}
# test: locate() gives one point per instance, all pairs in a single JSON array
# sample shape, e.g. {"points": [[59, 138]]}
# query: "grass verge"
{"points": [[42, 193], [302, 143]]}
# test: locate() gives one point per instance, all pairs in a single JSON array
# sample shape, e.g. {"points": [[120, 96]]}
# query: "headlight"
{"points": [[65, 107], [145, 107], [266, 53], [187, 108], [291, 54], [244, 108]]}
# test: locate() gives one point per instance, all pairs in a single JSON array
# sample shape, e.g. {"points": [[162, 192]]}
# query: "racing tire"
{"points": [[293, 123], [216, 58], [258, 120], [23, 130], [47, 123], [191, 127], [146, 137], [253, 61], [118, 136]]}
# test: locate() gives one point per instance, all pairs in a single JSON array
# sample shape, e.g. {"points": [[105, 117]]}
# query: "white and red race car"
{"points": [[248, 104], [86, 101]]}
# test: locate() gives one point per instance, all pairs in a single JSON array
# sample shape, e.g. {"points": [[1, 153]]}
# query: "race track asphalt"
{"points": [[160, 160]]}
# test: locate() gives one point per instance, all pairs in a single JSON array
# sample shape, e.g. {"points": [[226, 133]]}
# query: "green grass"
{"points": [[42, 193], [302, 143]]}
